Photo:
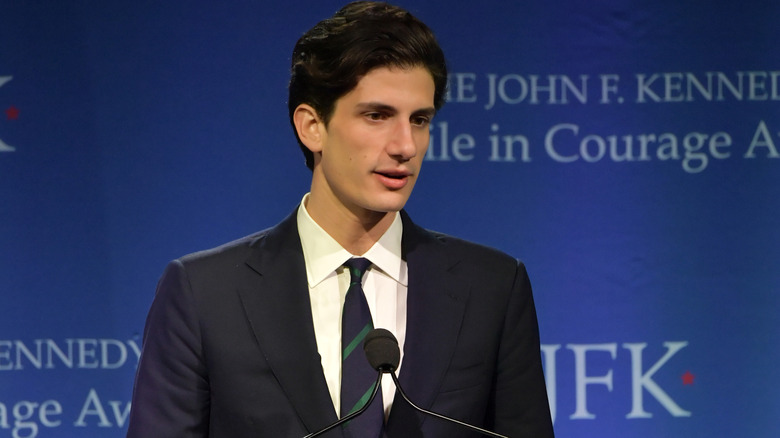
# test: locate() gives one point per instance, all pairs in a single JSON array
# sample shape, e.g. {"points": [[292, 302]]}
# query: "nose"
{"points": [[403, 144]]}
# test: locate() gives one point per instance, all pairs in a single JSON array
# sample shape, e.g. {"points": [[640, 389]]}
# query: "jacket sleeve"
{"points": [[519, 407], [171, 392]]}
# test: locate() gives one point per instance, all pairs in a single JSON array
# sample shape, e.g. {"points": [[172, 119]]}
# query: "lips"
{"points": [[393, 179]]}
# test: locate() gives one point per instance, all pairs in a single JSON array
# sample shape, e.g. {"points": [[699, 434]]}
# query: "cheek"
{"points": [[422, 140]]}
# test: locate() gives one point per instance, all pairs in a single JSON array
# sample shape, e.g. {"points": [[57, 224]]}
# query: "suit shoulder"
{"points": [[474, 252], [211, 271], [235, 250], [455, 249], [221, 263]]}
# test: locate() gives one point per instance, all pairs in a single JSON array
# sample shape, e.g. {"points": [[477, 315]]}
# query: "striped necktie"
{"points": [[357, 376]]}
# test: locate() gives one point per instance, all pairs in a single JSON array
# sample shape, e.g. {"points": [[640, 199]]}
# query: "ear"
{"points": [[309, 127]]}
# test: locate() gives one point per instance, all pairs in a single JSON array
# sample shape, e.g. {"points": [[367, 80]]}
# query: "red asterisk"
{"points": [[12, 113], [687, 378]]}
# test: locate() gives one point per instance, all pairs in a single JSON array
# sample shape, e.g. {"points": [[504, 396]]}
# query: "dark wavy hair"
{"points": [[330, 59]]}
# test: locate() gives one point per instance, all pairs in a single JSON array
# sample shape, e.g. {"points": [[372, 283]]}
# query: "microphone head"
{"points": [[382, 350]]}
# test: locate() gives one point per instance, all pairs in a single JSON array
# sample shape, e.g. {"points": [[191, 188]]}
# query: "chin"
{"points": [[389, 205]]}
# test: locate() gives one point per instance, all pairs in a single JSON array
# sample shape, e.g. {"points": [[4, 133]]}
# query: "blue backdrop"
{"points": [[628, 152]]}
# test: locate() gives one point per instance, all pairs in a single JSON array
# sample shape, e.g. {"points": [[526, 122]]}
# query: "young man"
{"points": [[245, 340]]}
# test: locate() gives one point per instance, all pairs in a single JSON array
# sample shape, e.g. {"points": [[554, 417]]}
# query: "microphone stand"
{"points": [[439, 416], [343, 420], [383, 355]]}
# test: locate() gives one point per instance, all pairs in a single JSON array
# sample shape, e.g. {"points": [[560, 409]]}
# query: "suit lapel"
{"points": [[436, 304], [276, 301]]}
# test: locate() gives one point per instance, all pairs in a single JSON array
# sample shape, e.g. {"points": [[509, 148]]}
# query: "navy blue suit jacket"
{"points": [[229, 347]]}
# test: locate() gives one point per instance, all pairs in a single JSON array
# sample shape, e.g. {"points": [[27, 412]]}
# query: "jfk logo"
{"points": [[639, 378], [3, 146]]}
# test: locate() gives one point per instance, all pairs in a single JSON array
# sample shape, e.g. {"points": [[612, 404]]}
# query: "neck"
{"points": [[356, 232]]}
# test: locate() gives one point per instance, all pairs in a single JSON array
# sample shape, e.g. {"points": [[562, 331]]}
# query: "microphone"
{"points": [[382, 350], [384, 355]]}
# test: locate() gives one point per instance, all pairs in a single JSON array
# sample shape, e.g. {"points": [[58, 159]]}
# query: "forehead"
{"points": [[412, 86]]}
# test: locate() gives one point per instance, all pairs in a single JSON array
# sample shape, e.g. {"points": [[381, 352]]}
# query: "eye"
{"points": [[421, 121], [375, 116]]}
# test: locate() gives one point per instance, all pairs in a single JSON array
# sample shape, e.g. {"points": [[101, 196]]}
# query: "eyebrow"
{"points": [[379, 106]]}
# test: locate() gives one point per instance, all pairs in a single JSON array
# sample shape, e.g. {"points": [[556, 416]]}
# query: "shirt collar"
{"points": [[323, 255]]}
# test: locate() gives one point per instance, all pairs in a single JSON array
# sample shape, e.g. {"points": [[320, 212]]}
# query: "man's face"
{"points": [[374, 144]]}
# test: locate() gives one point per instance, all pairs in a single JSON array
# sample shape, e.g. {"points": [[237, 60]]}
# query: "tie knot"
{"points": [[357, 267]]}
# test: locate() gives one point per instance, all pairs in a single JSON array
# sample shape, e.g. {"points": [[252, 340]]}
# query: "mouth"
{"points": [[394, 175], [393, 180]]}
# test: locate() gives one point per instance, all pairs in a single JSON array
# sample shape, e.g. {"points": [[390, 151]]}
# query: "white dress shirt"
{"points": [[384, 284]]}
